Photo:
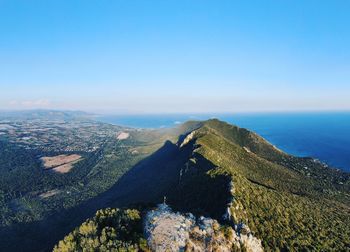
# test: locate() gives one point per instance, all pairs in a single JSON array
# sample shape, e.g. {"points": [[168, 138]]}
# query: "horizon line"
{"points": [[140, 113]]}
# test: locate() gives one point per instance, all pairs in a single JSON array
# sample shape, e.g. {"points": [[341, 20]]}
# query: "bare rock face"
{"points": [[188, 138], [166, 230]]}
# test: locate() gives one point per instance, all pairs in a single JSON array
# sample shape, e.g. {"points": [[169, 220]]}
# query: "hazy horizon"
{"points": [[186, 113], [133, 57]]}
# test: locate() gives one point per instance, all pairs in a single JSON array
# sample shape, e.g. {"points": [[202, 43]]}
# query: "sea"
{"points": [[321, 135]]}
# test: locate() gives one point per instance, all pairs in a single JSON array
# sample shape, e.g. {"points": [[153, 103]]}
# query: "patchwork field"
{"points": [[123, 135], [60, 163]]}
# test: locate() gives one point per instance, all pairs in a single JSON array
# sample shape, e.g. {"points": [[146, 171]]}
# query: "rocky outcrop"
{"points": [[188, 138], [166, 230]]}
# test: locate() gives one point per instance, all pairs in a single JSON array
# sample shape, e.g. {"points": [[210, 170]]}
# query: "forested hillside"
{"points": [[209, 169], [233, 175], [38, 205], [283, 205]]}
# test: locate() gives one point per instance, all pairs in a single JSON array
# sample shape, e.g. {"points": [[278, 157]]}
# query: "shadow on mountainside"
{"points": [[44, 234], [147, 182]]}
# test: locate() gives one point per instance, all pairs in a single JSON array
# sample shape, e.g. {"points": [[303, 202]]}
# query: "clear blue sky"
{"points": [[175, 56]]}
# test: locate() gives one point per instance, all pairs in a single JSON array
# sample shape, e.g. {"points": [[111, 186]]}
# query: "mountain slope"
{"points": [[281, 205], [235, 176], [39, 206]]}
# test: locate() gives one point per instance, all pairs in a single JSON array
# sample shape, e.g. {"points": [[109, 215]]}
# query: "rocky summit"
{"points": [[166, 230]]}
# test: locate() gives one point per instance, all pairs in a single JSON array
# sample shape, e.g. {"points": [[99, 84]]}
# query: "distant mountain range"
{"points": [[42, 114]]}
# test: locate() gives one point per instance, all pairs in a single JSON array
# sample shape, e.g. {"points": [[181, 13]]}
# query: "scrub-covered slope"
{"points": [[287, 202], [234, 176]]}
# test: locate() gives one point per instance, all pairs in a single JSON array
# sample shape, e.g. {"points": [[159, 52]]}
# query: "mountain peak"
{"points": [[238, 181]]}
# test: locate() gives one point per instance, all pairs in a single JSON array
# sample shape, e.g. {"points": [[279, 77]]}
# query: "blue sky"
{"points": [[175, 56]]}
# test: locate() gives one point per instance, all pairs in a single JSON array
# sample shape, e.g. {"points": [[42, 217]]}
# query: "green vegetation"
{"points": [[31, 196], [23, 180], [109, 230], [289, 203], [285, 208]]}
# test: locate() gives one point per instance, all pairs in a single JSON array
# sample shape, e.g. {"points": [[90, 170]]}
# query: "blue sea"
{"points": [[325, 136]]}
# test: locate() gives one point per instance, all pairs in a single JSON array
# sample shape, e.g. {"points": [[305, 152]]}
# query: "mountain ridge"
{"points": [[233, 175]]}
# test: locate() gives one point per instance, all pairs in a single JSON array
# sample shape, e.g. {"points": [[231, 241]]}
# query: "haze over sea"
{"points": [[325, 136]]}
